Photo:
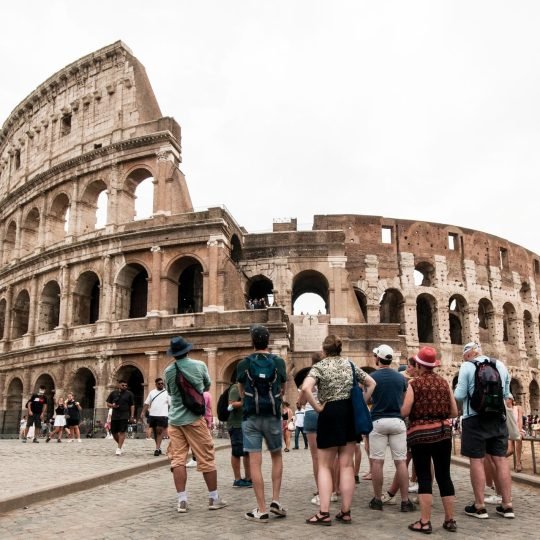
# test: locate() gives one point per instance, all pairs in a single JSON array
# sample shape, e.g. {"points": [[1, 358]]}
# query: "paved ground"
{"points": [[143, 507]]}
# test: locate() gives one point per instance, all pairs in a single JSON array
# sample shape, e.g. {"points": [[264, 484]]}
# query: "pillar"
{"points": [[152, 367], [211, 362], [338, 300], [154, 301]]}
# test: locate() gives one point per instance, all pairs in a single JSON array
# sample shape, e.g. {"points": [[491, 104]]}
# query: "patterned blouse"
{"points": [[334, 378]]}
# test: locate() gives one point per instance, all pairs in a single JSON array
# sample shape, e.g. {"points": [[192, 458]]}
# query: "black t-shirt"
{"points": [[125, 400], [36, 403], [73, 410], [60, 410]]}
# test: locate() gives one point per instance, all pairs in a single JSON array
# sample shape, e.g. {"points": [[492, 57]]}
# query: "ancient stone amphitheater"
{"points": [[86, 297]]}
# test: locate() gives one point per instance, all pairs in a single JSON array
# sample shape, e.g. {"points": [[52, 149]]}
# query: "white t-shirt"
{"points": [[299, 418], [159, 401]]}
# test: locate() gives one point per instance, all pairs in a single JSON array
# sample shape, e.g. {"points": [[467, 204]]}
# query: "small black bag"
{"points": [[192, 399]]}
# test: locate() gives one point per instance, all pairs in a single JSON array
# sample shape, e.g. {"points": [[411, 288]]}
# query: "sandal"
{"points": [[424, 528], [320, 518], [450, 525], [366, 476], [342, 515]]}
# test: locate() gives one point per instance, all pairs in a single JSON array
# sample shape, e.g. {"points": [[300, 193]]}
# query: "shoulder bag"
{"points": [[362, 417]]}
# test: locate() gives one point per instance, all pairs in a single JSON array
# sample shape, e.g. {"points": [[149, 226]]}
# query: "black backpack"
{"points": [[262, 390], [223, 404], [487, 398]]}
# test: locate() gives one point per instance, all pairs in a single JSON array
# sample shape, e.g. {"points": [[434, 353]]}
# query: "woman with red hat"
{"points": [[429, 403]]}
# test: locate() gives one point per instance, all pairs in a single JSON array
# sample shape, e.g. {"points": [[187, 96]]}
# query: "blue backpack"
{"points": [[262, 390]]}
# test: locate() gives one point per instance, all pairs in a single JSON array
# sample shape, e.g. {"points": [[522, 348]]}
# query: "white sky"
{"points": [[419, 110]]}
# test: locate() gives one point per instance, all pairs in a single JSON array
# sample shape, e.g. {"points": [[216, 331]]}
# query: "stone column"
{"points": [[16, 255], [411, 322], [107, 298], [32, 312], [372, 278], [3, 391], [27, 381], [441, 324], [338, 300], [154, 301], [152, 367], [471, 332], [74, 218], [42, 230], [162, 182], [214, 244], [64, 319], [211, 362], [8, 316]]}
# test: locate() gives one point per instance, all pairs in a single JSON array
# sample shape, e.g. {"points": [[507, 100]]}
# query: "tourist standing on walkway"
{"points": [[157, 405], [59, 421], [261, 379], [388, 428], [122, 403], [187, 429], [37, 411], [234, 427], [336, 437], [286, 417], [484, 434], [73, 418], [430, 406], [515, 446], [299, 417]]}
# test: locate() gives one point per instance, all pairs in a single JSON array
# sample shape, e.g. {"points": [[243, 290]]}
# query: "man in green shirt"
{"points": [[234, 427], [187, 429]]}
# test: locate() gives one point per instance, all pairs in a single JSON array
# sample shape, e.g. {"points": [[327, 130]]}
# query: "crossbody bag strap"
{"points": [[156, 396]]}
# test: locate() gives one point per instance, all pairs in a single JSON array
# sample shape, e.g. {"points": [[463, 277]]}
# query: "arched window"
{"points": [[9, 242], [236, 249], [458, 320], [362, 303], [510, 330], [3, 304], [86, 299], [260, 292], [29, 233], [424, 274], [58, 219], [136, 200], [530, 341], [83, 387], [135, 381], [486, 321], [21, 312], [534, 397], [132, 292], [426, 310], [49, 307], [391, 308], [93, 207], [310, 293]]}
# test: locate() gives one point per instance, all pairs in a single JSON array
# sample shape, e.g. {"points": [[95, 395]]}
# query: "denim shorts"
{"points": [[310, 421], [237, 442], [257, 428]]}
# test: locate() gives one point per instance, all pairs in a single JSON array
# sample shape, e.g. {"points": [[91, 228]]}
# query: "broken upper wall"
{"points": [[102, 98]]}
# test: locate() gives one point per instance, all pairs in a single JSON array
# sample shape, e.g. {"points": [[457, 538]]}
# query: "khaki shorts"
{"points": [[195, 436], [388, 432]]}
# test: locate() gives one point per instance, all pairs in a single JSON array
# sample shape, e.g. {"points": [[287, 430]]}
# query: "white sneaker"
{"points": [[216, 504], [182, 507], [388, 499], [316, 500], [79, 440], [334, 497], [493, 499], [118, 451], [70, 440], [413, 487], [191, 464]]}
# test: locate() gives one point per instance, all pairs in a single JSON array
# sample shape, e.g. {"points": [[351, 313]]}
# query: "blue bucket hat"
{"points": [[179, 347]]}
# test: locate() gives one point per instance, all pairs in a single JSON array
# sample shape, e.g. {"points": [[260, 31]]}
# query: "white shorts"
{"points": [[388, 431], [59, 420]]}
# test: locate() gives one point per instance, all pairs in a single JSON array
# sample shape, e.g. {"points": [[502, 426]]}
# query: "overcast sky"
{"points": [[419, 110]]}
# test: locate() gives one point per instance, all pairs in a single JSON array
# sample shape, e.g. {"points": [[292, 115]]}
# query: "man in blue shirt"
{"points": [[481, 435]]}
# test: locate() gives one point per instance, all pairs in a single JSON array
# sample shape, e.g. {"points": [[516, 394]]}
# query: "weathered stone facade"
{"points": [[81, 306]]}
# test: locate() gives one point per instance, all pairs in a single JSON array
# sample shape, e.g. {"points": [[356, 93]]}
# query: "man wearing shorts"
{"points": [[189, 430], [481, 436], [257, 427], [388, 428], [122, 403], [157, 405], [37, 411]]}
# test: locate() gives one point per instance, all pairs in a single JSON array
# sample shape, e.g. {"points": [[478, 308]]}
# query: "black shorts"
{"points": [[119, 426], [72, 422], [34, 420], [237, 442], [335, 425], [481, 436], [158, 421]]}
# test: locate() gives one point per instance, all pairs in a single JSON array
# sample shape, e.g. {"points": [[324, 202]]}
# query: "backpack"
{"points": [[262, 391], [192, 399], [223, 404], [487, 398]]}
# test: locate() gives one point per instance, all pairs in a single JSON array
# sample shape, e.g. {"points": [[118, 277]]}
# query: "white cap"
{"points": [[472, 346], [384, 352]]}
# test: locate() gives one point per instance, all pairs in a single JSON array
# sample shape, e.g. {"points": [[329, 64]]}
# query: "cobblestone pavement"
{"points": [[143, 507]]}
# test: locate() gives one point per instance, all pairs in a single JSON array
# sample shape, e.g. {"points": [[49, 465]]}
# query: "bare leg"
{"points": [[159, 437], [377, 476], [345, 456], [211, 480], [277, 473], [478, 480], [448, 505], [327, 458], [180, 478], [357, 459], [255, 461], [426, 502], [502, 473], [121, 439], [247, 467], [235, 464], [403, 478], [312, 440]]}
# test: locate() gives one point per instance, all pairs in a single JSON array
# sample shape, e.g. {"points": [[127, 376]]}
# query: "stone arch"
{"points": [[486, 321], [14, 405], [516, 389], [426, 316], [86, 298], [127, 196], [311, 281], [534, 397], [458, 319], [135, 380], [3, 304], [131, 287], [88, 207], [83, 387], [9, 242], [21, 314], [510, 329], [362, 300], [49, 307], [29, 232], [529, 334], [236, 249], [424, 274], [525, 292], [58, 219], [46, 380], [260, 287], [186, 277], [392, 308]]}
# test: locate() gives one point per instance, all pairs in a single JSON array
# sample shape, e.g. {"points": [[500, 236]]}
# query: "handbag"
{"points": [[291, 426], [362, 417], [511, 424]]}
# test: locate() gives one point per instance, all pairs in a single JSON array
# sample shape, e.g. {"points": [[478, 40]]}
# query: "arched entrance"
{"points": [[534, 397], [190, 289], [310, 293], [260, 292], [426, 309], [83, 388], [135, 382], [516, 389], [47, 381], [14, 405]]}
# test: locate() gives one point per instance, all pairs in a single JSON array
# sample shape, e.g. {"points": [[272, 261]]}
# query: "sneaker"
{"points": [[47, 439], [480, 513], [35, 441], [23, 439], [58, 440], [414, 499], [182, 507], [241, 483], [191, 464], [70, 440], [356, 479], [277, 509], [248, 483], [376, 504], [334, 497], [257, 516], [505, 512], [296, 448], [493, 499], [216, 504], [118, 451], [407, 506], [79, 440], [413, 487], [388, 498], [316, 500], [156, 452]]}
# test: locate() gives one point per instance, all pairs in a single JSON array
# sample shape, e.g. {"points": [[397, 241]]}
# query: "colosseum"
{"points": [[91, 291]]}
